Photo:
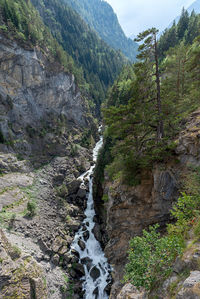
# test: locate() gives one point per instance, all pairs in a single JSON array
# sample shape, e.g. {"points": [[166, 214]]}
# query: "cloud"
{"points": [[138, 15]]}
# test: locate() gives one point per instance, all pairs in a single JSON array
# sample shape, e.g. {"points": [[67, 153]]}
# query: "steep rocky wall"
{"points": [[131, 209], [41, 107], [43, 117]]}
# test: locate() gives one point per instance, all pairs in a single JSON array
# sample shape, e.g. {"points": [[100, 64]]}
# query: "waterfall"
{"points": [[97, 269]]}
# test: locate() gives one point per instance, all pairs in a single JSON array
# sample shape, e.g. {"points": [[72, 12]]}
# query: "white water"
{"points": [[92, 249]]}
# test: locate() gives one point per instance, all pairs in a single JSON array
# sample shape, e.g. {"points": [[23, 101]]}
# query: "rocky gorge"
{"points": [[44, 122], [43, 118]]}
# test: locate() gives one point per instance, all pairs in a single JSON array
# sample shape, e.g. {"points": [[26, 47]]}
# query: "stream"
{"points": [[96, 267]]}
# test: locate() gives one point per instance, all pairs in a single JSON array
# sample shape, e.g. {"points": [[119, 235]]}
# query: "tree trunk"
{"points": [[160, 127]]}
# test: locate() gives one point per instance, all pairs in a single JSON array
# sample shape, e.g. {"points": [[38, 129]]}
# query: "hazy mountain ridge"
{"points": [[101, 17]]}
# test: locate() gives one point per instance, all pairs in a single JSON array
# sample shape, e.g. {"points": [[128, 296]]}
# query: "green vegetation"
{"points": [[186, 30], [105, 198], [31, 208], [21, 21], [147, 107], [151, 256], [101, 17], [68, 218], [15, 252], [87, 139], [98, 63], [62, 191], [73, 150]]}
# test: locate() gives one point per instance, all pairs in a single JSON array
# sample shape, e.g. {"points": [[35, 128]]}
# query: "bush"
{"points": [[105, 198], [32, 208], [62, 191], [74, 150], [151, 257], [15, 252]]}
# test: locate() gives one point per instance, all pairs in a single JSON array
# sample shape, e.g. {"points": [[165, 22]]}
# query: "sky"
{"points": [[137, 15]]}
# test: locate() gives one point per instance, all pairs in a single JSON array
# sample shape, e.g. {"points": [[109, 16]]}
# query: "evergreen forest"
{"points": [[101, 17], [149, 102], [99, 63]]}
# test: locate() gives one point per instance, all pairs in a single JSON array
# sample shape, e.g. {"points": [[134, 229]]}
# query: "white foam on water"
{"points": [[98, 263]]}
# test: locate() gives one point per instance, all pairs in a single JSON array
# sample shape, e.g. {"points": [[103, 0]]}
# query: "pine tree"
{"points": [[149, 55], [183, 23]]}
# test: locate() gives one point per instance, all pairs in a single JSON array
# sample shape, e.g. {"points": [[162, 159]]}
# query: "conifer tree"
{"points": [[149, 55], [183, 24]]}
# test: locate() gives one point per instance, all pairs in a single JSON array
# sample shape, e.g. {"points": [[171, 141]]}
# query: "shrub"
{"points": [[62, 191], [150, 258], [105, 198], [15, 252], [73, 150], [32, 208]]}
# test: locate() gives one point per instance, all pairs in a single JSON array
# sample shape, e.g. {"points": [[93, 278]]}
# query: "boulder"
{"points": [[191, 287], [79, 268], [74, 252], [96, 292], [97, 232], [130, 292], [81, 193], [55, 259], [57, 244], [81, 244], [73, 186], [67, 257], [95, 273], [88, 262], [86, 235]]}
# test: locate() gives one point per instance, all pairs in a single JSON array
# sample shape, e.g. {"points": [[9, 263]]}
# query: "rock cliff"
{"points": [[43, 123], [41, 107], [128, 210]]}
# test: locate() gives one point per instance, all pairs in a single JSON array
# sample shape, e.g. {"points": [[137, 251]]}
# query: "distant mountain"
{"points": [[99, 63], [101, 17], [132, 36], [194, 6]]}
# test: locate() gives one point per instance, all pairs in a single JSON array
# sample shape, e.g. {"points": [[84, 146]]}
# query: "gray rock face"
{"points": [[37, 104], [193, 279], [130, 292], [191, 287], [131, 209]]}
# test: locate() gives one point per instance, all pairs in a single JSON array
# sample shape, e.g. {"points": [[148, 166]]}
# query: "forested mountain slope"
{"points": [[101, 17], [187, 28], [100, 64]]}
